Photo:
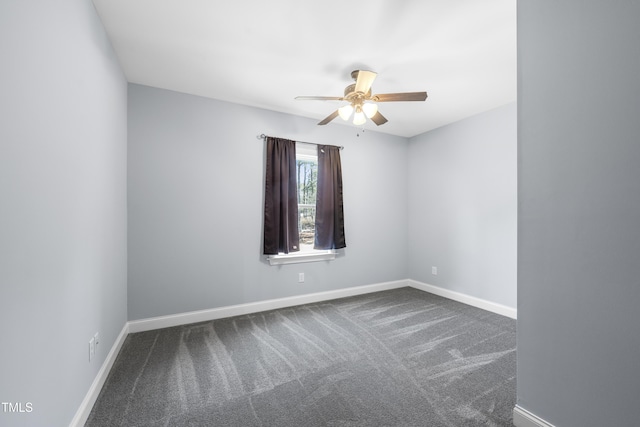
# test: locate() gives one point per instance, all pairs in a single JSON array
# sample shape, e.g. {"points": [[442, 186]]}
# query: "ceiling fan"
{"points": [[362, 102]]}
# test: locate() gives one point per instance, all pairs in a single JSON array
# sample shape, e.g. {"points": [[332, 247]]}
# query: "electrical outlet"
{"points": [[434, 271], [92, 348], [95, 337], [300, 277]]}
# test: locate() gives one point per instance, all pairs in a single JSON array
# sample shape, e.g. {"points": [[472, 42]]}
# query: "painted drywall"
{"points": [[463, 206], [195, 199], [579, 212], [62, 207]]}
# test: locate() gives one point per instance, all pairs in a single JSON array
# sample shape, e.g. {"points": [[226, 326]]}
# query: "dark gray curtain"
{"points": [[329, 210], [281, 198]]}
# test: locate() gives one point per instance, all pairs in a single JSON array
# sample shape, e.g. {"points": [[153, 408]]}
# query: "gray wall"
{"points": [[463, 206], [579, 212], [195, 194], [62, 205]]}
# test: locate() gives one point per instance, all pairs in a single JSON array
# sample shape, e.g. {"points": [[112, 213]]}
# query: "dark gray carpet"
{"points": [[394, 358]]}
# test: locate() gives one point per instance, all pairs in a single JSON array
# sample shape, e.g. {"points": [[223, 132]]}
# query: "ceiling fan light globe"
{"points": [[345, 111], [370, 109], [359, 118]]}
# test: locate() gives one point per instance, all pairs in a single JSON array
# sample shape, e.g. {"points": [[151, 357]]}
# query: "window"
{"points": [[303, 202], [307, 178]]}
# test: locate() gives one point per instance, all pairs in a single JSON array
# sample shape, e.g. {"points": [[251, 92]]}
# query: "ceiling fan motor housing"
{"points": [[351, 95]]}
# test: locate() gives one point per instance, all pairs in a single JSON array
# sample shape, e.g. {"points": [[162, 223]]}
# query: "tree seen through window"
{"points": [[307, 175]]}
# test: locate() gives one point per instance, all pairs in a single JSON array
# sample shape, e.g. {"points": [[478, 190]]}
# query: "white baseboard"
{"points": [[466, 299], [273, 304], [255, 307], [82, 414], [524, 418]]}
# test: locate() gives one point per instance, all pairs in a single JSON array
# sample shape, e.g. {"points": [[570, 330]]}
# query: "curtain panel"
{"points": [[281, 198], [329, 206]]}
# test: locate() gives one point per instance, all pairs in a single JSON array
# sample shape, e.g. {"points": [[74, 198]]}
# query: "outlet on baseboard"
{"points": [[300, 277]]}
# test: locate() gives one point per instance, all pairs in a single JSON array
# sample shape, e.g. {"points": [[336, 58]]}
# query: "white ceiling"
{"points": [[265, 53]]}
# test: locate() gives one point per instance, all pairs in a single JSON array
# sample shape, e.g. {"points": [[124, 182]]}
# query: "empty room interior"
{"points": [[417, 213]]}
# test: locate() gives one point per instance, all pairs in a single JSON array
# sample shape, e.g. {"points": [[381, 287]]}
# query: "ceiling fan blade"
{"points": [[329, 118], [319, 98], [405, 96], [364, 81], [379, 119]]}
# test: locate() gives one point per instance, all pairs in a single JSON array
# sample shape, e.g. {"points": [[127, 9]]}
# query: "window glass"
{"points": [[307, 177]]}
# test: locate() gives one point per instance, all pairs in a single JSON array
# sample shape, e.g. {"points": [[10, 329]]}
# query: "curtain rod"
{"points": [[263, 136]]}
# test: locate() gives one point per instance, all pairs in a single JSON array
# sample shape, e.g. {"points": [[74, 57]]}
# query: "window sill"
{"points": [[299, 257]]}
